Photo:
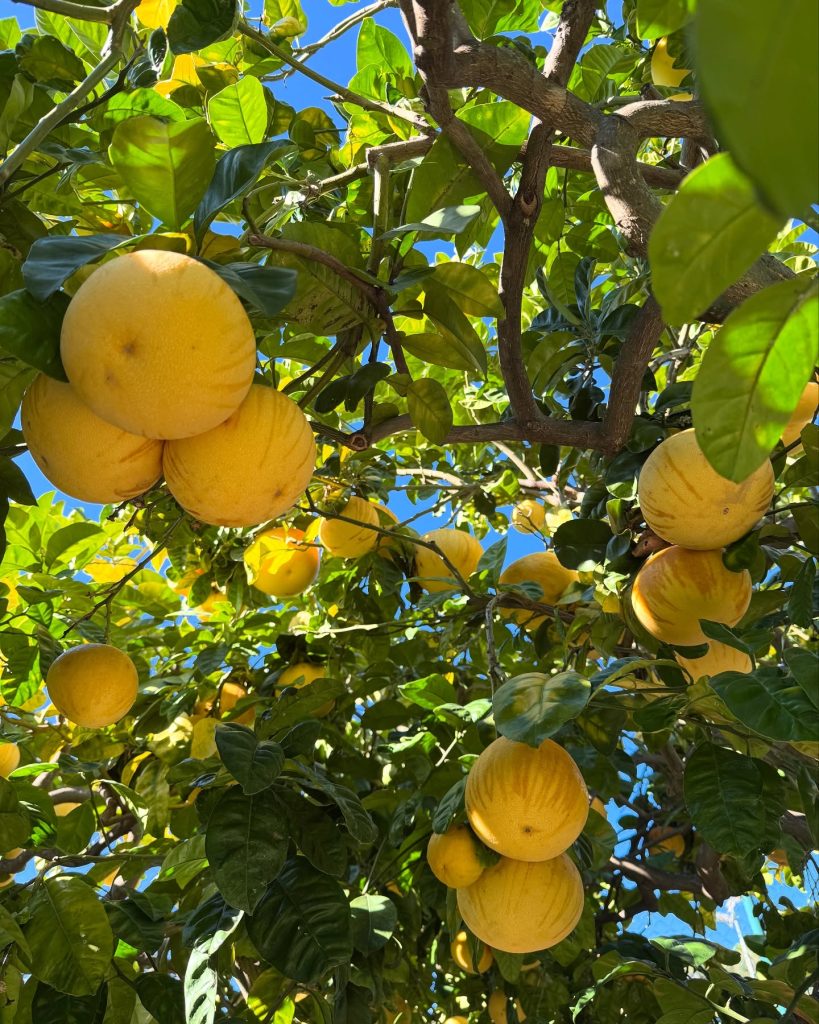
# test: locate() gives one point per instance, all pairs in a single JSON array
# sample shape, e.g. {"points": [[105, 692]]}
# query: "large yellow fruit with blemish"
{"points": [[280, 564], [82, 455], [497, 1006], [686, 502], [544, 569], [529, 516], [251, 468], [9, 758], [461, 548], [520, 907], [664, 72], [462, 955], [803, 413], [229, 696], [93, 685], [720, 658], [351, 540], [302, 674], [676, 587], [529, 803], [156, 343], [453, 857]]}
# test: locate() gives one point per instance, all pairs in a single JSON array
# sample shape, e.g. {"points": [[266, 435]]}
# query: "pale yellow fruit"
{"points": [[720, 658], [463, 551], [229, 696], [61, 810], [686, 502], [9, 758], [280, 564], [82, 455], [675, 588], [544, 569], [803, 413], [156, 343], [497, 1005], [251, 468], [461, 954], [453, 857], [451, 1020], [529, 516], [93, 685], [521, 907], [663, 69], [530, 803], [302, 674], [351, 540], [659, 841]]}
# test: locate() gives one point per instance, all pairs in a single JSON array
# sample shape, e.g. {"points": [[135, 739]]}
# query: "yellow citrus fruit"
{"points": [[461, 954], [802, 414], [302, 674], [203, 739], [659, 841], [453, 857], [61, 810], [156, 343], [530, 803], [496, 1008], [280, 564], [252, 467], [351, 540], [386, 545], [675, 588], [520, 907], [450, 1020], [544, 569], [663, 70], [461, 548], [529, 516], [229, 696], [82, 455], [9, 758], [686, 502], [93, 685], [720, 658]]}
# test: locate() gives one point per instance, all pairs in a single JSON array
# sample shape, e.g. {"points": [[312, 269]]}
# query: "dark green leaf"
{"points": [[236, 172], [52, 260], [53, 1007], [532, 707], [13, 483], [373, 921], [725, 635], [269, 289], [581, 543], [14, 820], [30, 330], [450, 806], [770, 703], [253, 763], [198, 23], [162, 997], [359, 824]]}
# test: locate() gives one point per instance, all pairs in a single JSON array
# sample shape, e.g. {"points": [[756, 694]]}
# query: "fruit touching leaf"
{"points": [[269, 289], [30, 330], [52, 260], [451, 805], [581, 543], [532, 707], [429, 409]]}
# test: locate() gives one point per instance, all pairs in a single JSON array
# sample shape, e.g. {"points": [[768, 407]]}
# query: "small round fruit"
{"points": [[453, 857], [251, 468], [529, 803], [280, 564], [9, 758], [529, 516], [659, 841], [803, 413], [544, 569], [496, 1008], [686, 502], [461, 954], [229, 696], [675, 588], [93, 685], [156, 343], [302, 674], [720, 658], [351, 540], [82, 455], [461, 548], [521, 907], [664, 72]]}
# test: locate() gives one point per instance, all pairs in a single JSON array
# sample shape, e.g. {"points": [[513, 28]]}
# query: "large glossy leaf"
{"points": [[470, 288], [30, 330], [657, 18], [706, 238], [215, 922], [50, 1006], [581, 543], [359, 824], [69, 935], [487, 17], [14, 819], [53, 259], [773, 133], [767, 349], [165, 166], [444, 310], [532, 707], [255, 764], [378, 46], [429, 409], [373, 921], [197, 23], [235, 173], [238, 113], [770, 703], [269, 289], [246, 844], [162, 997], [302, 926]]}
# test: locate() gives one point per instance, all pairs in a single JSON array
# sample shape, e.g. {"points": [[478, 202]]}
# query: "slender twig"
{"points": [[343, 26]]}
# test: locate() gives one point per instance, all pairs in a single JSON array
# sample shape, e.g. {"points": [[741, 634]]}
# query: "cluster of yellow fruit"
{"points": [[528, 805], [160, 356]]}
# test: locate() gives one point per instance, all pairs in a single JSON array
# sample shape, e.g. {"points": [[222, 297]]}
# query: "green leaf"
{"points": [[214, 925], [359, 824], [15, 826], [581, 543], [800, 602], [760, 89], [198, 23], [52, 1007], [443, 310], [706, 238], [246, 844], [69, 935], [532, 707], [657, 18], [255, 764], [15, 377], [766, 349], [470, 288], [725, 635], [269, 289], [30, 330], [378, 46], [450, 220], [770, 703], [238, 114], [47, 60], [373, 921], [450, 806], [442, 350], [429, 692], [53, 259], [165, 166], [236, 172], [429, 409], [488, 17], [302, 925]]}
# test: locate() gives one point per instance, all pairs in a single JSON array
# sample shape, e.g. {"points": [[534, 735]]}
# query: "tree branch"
{"points": [[655, 878], [82, 12]]}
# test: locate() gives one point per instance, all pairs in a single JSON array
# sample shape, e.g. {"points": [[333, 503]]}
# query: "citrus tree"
{"points": [[452, 438]]}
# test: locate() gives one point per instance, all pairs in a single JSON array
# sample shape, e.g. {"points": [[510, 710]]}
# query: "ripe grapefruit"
{"points": [[664, 72], [351, 540], [803, 413], [720, 658], [461, 954], [529, 516], [544, 569], [453, 857], [93, 685], [280, 564], [461, 548], [9, 758]]}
